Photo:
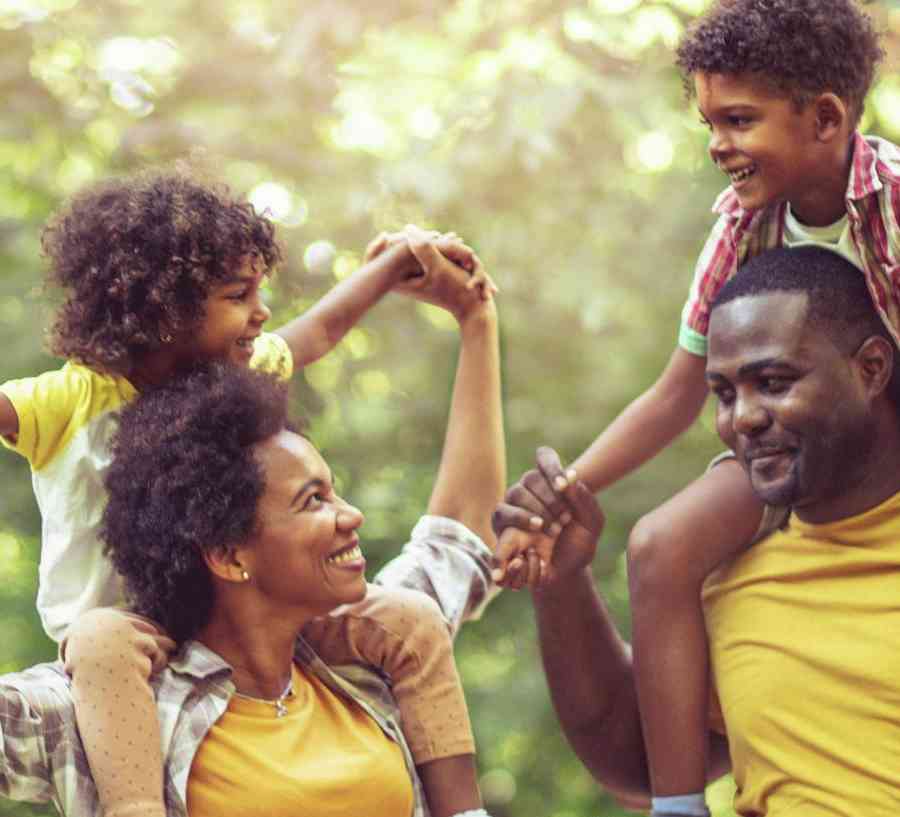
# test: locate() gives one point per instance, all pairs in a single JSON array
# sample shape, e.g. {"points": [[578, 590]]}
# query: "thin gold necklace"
{"points": [[278, 703]]}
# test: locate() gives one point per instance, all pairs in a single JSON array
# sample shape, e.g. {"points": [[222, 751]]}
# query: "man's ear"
{"points": [[875, 358], [225, 563], [831, 116]]}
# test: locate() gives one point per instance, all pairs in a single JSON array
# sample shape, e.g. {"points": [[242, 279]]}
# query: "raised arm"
{"points": [[587, 663], [472, 472], [318, 330]]}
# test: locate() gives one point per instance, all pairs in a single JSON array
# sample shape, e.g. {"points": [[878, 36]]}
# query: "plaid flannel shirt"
{"points": [[873, 213], [44, 759]]}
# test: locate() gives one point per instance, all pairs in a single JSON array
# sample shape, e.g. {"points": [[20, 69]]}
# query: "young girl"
{"points": [[162, 270]]}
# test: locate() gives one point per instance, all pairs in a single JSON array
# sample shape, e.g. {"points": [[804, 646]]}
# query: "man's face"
{"points": [[790, 403]]}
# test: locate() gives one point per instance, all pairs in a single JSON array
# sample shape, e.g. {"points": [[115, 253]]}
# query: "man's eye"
{"points": [[774, 385], [725, 396]]}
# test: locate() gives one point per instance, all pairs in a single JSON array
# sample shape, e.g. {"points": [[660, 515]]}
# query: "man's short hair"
{"points": [[839, 301]]}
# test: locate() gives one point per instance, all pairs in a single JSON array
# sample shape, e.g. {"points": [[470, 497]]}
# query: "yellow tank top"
{"points": [[325, 758]]}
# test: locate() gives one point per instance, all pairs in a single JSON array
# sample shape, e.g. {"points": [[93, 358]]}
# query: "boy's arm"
{"points": [[318, 330], [9, 420], [648, 424]]}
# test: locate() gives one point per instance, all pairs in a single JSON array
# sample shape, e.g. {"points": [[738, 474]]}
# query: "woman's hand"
{"points": [[448, 245]]}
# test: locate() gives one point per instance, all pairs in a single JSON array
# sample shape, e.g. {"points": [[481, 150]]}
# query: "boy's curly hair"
{"points": [[801, 47], [137, 255], [184, 480]]}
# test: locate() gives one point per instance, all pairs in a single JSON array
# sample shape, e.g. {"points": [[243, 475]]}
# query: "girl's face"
{"points": [[234, 314]]}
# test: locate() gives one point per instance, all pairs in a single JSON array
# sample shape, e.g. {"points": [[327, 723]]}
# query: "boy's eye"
{"points": [[739, 121], [237, 296]]}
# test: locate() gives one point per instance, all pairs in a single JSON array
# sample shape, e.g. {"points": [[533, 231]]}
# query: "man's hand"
{"points": [[548, 526]]}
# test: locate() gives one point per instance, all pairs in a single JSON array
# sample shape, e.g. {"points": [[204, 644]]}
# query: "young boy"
{"points": [[781, 86]]}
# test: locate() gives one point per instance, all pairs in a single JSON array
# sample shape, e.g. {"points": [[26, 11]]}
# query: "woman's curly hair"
{"points": [[137, 255], [184, 480], [800, 47]]}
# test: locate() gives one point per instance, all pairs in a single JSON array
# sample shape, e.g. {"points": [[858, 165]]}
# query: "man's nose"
{"points": [[750, 415]]}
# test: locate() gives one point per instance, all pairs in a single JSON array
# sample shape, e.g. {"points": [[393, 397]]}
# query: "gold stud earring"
{"points": [[165, 337], [245, 575]]}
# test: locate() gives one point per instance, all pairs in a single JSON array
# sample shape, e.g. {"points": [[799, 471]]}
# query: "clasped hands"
{"points": [[547, 527]]}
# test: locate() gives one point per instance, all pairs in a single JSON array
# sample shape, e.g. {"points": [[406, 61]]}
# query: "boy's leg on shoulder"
{"points": [[670, 553], [110, 656]]}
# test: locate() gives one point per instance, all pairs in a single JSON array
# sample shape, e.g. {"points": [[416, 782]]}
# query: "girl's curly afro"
{"points": [[801, 47], [136, 256], [184, 480]]}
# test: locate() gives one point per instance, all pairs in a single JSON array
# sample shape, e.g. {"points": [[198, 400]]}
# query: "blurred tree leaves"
{"points": [[553, 135]]}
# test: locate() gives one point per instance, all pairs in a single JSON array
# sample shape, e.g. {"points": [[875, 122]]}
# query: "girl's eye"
{"points": [[739, 121], [706, 123], [237, 296]]}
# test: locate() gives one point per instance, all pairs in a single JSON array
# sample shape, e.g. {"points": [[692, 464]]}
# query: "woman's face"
{"points": [[305, 552]]}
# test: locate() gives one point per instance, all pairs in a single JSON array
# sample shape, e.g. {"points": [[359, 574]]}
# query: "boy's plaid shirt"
{"points": [[873, 213], [41, 755]]}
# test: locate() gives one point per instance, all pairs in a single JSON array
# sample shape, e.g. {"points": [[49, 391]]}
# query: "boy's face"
{"points": [[766, 146]]}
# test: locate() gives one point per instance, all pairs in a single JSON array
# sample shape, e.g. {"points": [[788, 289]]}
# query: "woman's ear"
{"points": [[226, 564], [875, 358], [831, 116]]}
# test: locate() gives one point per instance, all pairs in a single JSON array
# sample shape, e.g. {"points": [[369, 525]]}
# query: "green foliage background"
{"points": [[552, 134]]}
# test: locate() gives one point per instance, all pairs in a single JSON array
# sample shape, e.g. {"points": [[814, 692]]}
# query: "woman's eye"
{"points": [[313, 501]]}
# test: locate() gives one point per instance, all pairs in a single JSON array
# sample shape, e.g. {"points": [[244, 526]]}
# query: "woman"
{"points": [[229, 532]]}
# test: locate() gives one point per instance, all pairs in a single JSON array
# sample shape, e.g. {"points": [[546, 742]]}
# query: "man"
{"points": [[804, 627]]}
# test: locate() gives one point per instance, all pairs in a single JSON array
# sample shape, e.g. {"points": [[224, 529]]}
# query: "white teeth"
{"points": [[346, 556], [740, 175]]}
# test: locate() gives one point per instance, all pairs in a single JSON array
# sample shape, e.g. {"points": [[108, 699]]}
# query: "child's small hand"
{"points": [[444, 283], [450, 245]]}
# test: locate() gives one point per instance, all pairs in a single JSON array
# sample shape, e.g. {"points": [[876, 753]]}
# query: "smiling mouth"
{"points": [[762, 457], [739, 176], [353, 553], [246, 343]]}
